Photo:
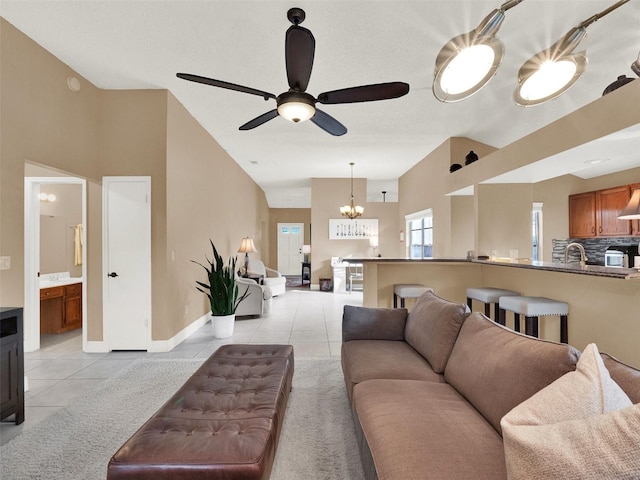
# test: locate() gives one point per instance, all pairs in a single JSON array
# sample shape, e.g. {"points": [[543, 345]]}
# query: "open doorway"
{"points": [[55, 260]]}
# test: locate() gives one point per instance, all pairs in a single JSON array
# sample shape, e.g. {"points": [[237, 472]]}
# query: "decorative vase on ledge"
{"points": [[471, 157]]}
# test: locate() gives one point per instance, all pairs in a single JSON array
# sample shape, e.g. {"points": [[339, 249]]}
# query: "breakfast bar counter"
{"points": [[604, 302]]}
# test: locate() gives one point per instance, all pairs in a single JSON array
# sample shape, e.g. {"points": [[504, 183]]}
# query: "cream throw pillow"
{"points": [[582, 426]]}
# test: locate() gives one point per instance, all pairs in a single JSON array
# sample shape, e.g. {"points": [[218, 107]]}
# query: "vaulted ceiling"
{"points": [[143, 44]]}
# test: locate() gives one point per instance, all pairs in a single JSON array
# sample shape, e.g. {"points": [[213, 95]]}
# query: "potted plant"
{"points": [[222, 292]]}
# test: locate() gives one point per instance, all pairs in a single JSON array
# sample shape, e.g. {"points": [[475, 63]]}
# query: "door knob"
{"points": [[113, 274]]}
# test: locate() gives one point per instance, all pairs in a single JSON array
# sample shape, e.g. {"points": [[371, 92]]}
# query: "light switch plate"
{"points": [[5, 263], [513, 254]]}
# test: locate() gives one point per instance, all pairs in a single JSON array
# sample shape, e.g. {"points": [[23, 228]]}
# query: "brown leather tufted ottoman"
{"points": [[223, 423]]}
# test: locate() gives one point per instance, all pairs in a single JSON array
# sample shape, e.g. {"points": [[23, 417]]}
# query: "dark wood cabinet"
{"points": [[11, 364], [595, 214], [60, 308]]}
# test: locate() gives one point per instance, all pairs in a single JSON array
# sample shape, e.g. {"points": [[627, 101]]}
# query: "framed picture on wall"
{"points": [[345, 229]]}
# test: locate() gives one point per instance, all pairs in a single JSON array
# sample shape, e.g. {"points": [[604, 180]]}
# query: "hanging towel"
{"points": [[78, 245]]}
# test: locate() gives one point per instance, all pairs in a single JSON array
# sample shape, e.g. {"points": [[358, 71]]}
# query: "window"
{"points": [[420, 228], [536, 237]]}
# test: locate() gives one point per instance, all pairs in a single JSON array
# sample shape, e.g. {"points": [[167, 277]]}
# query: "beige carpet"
{"points": [[317, 440]]}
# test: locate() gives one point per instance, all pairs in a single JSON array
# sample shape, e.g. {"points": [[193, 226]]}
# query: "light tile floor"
{"points": [[311, 321]]}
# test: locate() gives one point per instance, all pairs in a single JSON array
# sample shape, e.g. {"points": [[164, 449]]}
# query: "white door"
{"points": [[290, 241], [127, 261]]}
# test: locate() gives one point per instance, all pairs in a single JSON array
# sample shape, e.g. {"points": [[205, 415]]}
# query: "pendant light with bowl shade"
{"points": [[551, 72], [467, 62]]}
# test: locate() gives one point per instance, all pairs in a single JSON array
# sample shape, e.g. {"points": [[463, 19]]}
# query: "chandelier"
{"points": [[352, 210]]}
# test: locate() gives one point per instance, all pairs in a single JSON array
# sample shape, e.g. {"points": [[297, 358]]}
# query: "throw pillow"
{"points": [[582, 426]]}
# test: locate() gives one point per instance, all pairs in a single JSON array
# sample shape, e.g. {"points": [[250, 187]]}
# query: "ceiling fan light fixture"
{"points": [[296, 106]]}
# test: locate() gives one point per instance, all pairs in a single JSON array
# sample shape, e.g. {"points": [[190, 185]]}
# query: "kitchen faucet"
{"points": [[583, 255]]}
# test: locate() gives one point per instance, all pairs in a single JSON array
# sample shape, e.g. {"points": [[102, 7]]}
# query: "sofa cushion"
{"points": [[496, 368], [432, 328], [418, 430], [627, 377], [361, 323], [369, 359], [582, 426]]}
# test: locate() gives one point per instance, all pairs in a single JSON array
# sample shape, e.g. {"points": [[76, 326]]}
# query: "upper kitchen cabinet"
{"points": [[582, 215], [635, 224], [609, 204], [595, 214]]}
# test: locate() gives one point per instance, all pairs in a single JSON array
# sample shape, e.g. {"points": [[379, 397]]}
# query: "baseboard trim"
{"points": [[178, 338], [96, 347]]}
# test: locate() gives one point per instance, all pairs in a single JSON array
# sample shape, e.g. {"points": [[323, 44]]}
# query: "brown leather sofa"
{"points": [[223, 423], [428, 389]]}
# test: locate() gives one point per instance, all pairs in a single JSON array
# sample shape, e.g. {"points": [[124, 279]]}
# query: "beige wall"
{"points": [[42, 122], [422, 187], [327, 196], [94, 133], [504, 219], [208, 197]]}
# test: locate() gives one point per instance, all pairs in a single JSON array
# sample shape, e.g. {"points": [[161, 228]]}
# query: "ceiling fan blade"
{"points": [[328, 123], [256, 122], [299, 49], [365, 93], [227, 85]]}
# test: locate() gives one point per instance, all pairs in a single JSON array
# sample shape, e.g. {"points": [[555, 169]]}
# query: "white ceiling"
{"points": [[143, 44]]}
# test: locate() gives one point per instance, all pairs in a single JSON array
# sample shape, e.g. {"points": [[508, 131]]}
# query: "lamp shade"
{"points": [[296, 106], [247, 246], [632, 210], [306, 248]]}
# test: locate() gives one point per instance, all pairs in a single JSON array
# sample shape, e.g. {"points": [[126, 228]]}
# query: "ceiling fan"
{"points": [[296, 104]]}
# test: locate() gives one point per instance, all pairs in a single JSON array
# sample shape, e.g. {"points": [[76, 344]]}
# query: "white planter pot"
{"points": [[223, 325]]}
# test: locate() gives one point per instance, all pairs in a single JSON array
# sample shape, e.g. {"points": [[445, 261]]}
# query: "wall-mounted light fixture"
{"points": [[553, 71], [467, 62], [46, 197]]}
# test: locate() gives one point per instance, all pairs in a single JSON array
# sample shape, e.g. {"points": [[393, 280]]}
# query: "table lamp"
{"points": [[247, 247]]}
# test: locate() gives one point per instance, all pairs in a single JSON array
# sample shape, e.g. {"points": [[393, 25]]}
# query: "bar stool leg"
{"points": [[470, 304], [395, 301], [502, 316], [516, 321], [531, 326], [401, 302], [487, 309], [564, 329]]}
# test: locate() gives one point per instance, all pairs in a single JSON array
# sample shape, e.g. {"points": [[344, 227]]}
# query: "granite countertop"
{"points": [[576, 268]]}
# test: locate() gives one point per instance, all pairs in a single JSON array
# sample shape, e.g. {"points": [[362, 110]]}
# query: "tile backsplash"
{"points": [[594, 247]]}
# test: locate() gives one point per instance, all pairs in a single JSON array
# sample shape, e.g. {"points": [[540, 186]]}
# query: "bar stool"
{"points": [[407, 290], [488, 295], [532, 308]]}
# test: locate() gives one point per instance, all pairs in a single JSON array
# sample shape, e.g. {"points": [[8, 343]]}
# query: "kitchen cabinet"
{"points": [[11, 364], [595, 214], [635, 224], [582, 215], [609, 204], [60, 308]]}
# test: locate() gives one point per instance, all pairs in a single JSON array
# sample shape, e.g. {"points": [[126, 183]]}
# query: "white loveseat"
{"points": [[271, 278]]}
